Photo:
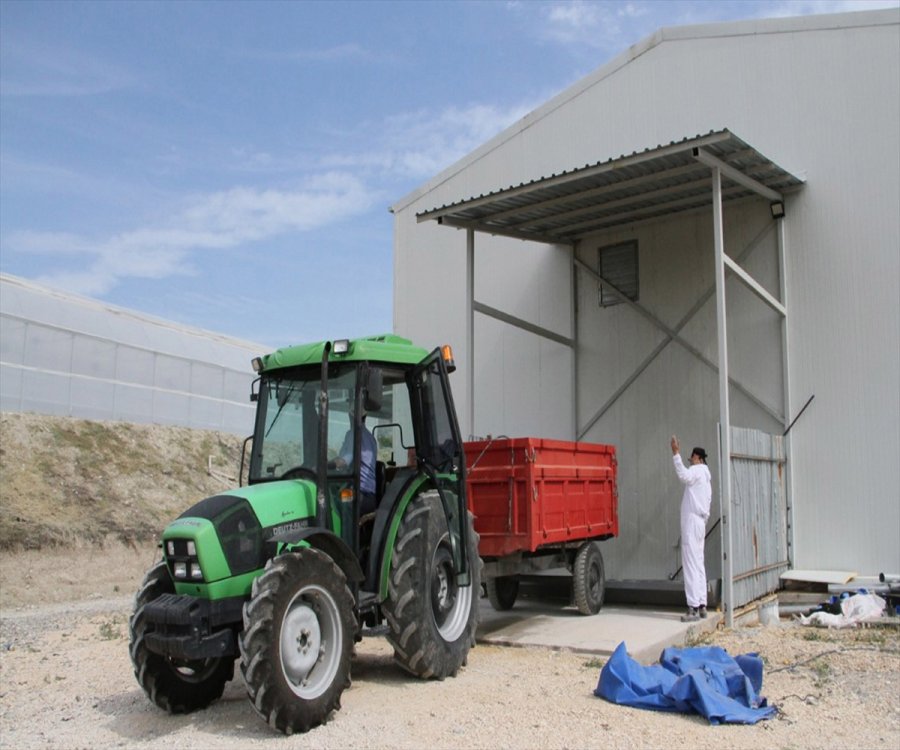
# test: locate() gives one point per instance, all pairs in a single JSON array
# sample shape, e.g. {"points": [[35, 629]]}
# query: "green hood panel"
{"points": [[230, 530], [279, 502]]}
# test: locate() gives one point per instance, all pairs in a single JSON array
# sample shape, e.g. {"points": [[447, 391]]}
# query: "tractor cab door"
{"points": [[439, 449]]}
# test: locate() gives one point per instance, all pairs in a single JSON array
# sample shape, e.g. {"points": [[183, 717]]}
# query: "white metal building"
{"points": [[658, 175], [67, 355]]}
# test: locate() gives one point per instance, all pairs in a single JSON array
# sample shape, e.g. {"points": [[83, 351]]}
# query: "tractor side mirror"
{"points": [[374, 385]]}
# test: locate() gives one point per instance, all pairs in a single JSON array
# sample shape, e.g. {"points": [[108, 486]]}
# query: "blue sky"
{"points": [[229, 165]]}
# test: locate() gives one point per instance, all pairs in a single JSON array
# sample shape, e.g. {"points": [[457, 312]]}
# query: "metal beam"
{"points": [[593, 225], [694, 187], [573, 307], [499, 231], [704, 298], [470, 325], [735, 175], [786, 379], [724, 409], [578, 174], [755, 287], [493, 312], [674, 335], [631, 184]]}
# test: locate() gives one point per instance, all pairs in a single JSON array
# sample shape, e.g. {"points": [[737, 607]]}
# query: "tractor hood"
{"points": [[228, 532]]}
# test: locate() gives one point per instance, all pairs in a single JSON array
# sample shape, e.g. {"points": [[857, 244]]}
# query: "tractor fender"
{"points": [[327, 542]]}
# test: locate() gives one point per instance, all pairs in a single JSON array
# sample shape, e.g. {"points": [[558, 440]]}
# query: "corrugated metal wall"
{"points": [[758, 514], [819, 96], [70, 356]]}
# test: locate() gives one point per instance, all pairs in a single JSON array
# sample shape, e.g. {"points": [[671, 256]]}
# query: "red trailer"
{"points": [[542, 504]]}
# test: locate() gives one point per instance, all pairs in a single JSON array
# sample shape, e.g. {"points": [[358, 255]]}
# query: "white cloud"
{"points": [[610, 26], [335, 53], [808, 7], [593, 25], [410, 146], [326, 54], [417, 145], [208, 223], [33, 68]]}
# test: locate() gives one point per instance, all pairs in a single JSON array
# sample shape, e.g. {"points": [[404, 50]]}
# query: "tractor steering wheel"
{"points": [[300, 472]]}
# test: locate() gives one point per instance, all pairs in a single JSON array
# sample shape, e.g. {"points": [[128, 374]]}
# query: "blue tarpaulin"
{"points": [[704, 680]]}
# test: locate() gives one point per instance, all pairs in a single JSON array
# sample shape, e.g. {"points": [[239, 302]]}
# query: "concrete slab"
{"points": [[549, 623], [819, 576]]}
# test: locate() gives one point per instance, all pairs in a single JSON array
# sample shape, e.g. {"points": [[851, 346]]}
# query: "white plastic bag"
{"points": [[854, 610]]}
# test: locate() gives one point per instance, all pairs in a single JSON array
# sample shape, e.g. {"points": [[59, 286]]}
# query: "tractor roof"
{"points": [[384, 348]]}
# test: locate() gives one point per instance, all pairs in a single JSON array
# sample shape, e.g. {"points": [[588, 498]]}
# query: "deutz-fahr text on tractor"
{"points": [[285, 572]]}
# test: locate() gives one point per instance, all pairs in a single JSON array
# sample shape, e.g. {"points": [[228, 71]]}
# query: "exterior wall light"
{"points": [[777, 208]]}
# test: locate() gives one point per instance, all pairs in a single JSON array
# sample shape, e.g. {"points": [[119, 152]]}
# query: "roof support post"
{"points": [[470, 325], [724, 412], [786, 379], [574, 328]]}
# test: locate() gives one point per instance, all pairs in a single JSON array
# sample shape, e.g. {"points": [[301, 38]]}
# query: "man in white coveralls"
{"points": [[695, 504]]}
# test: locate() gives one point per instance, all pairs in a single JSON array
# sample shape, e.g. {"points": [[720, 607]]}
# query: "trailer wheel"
{"points": [[298, 636], [432, 619], [502, 592], [589, 580], [177, 685]]}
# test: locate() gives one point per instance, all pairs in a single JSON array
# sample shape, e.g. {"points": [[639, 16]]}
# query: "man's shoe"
{"points": [[691, 615], [702, 612]]}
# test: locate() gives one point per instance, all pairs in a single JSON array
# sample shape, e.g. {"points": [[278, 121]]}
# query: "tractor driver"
{"points": [[368, 450]]}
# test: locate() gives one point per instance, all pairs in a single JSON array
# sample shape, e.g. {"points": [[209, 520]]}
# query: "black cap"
{"points": [[699, 452]]}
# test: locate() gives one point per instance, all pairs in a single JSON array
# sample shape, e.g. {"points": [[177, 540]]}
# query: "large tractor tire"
{"points": [[432, 620], [177, 685], [588, 579], [298, 637], [502, 592]]}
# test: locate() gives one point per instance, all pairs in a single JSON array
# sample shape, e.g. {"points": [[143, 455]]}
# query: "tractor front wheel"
{"points": [[177, 685], [432, 618], [297, 640]]}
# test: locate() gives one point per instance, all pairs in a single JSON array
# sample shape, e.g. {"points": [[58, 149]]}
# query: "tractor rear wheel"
{"points": [[432, 619], [502, 592], [177, 685], [298, 636], [588, 579]]}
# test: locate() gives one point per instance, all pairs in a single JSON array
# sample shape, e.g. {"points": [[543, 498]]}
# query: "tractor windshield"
{"points": [[287, 422]]}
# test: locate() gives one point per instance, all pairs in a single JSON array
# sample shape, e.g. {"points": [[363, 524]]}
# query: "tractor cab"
{"points": [[358, 431]]}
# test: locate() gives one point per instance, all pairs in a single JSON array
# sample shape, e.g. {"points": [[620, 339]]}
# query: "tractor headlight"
{"points": [[181, 555]]}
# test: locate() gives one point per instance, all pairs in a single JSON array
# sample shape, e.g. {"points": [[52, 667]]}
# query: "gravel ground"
{"points": [[66, 682]]}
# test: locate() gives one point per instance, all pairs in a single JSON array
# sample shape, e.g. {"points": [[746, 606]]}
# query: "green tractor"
{"points": [[353, 516]]}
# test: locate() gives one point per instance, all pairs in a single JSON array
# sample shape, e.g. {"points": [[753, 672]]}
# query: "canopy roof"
{"points": [[641, 186]]}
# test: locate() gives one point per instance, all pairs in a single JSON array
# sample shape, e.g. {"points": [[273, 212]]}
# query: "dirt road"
{"points": [[66, 682]]}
